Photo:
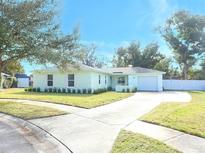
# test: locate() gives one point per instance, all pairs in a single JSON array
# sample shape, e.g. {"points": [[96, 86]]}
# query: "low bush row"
{"points": [[129, 90], [69, 90], [77, 91]]}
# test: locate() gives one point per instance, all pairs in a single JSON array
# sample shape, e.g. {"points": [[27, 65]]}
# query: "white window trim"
{"points": [[50, 80], [71, 80], [119, 80]]}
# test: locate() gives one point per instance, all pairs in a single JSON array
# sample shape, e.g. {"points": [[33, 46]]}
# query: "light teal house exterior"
{"points": [[86, 77]]}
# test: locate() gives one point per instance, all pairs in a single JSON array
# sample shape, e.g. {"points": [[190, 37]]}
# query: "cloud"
{"points": [[162, 9]]}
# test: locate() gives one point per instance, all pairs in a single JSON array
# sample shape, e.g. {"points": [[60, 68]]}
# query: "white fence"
{"points": [[184, 84]]}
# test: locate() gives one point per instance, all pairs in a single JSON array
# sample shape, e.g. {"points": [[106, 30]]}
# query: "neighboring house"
{"points": [[85, 77], [22, 80]]}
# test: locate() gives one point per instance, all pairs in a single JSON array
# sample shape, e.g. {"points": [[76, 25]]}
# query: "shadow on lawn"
{"points": [[198, 92]]}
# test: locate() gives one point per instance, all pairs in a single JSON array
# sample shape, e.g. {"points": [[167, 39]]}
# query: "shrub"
{"points": [[26, 89], [64, 90], [123, 90], [34, 89], [29, 89], [54, 90], [109, 88], [98, 91], [79, 91], [73, 91], [84, 91], [128, 90], [94, 91], [134, 90], [113, 89], [50, 90], [89, 91], [68, 90], [59, 90], [46, 90], [38, 89]]}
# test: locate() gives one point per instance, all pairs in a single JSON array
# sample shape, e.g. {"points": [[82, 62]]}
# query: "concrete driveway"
{"points": [[95, 130]]}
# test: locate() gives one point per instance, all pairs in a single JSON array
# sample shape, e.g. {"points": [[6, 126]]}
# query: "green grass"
{"points": [[26, 111], [186, 117], [81, 100], [128, 142]]}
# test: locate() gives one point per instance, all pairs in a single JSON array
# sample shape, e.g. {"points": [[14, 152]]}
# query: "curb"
{"points": [[40, 139]]}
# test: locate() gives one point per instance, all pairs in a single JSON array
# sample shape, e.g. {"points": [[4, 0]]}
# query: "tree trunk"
{"points": [[185, 71], [1, 78]]}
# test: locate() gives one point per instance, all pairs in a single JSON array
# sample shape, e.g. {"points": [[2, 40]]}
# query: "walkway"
{"points": [[181, 141]]}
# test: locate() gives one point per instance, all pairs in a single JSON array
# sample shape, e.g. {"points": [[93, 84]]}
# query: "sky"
{"points": [[110, 24]]}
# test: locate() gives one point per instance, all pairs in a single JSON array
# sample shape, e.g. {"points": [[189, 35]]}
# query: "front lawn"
{"points": [[25, 111], [186, 117], [81, 100], [128, 142]]}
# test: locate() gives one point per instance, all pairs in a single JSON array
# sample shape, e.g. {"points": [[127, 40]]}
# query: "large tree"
{"points": [[13, 68], [151, 55], [29, 30], [134, 55], [90, 58], [185, 35]]}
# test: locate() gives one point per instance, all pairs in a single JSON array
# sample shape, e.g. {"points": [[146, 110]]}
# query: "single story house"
{"points": [[22, 80], [85, 77]]}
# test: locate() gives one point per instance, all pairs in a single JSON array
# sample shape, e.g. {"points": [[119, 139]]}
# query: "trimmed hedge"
{"points": [[79, 91], [64, 90], [98, 91], [73, 91], [68, 90], [84, 91]]}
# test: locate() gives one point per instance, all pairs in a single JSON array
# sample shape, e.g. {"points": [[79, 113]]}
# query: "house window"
{"points": [[50, 80], [99, 79], [105, 80], [70, 80], [121, 81]]}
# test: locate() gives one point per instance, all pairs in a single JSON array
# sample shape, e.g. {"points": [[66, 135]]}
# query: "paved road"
{"points": [[19, 136], [12, 141], [95, 130]]}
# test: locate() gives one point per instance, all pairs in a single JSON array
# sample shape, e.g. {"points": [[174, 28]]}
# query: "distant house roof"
{"points": [[73, 67], [18, 75], [131, 70], [4, 74]]}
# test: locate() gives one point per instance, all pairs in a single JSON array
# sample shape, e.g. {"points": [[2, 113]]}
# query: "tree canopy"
{"points": [[29, 30], [90, 58], [185, 35], [134, 55]]}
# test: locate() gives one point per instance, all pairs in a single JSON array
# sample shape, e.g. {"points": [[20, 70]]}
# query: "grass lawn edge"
{"points": [[130, 142], [67, 104]]}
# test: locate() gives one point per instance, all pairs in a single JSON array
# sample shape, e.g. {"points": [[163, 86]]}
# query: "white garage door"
{"points": [[148, 83]]}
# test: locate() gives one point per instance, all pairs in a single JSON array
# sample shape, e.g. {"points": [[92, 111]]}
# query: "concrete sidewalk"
{"points": [[176, 139]]}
